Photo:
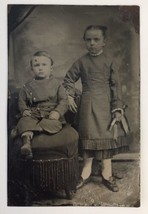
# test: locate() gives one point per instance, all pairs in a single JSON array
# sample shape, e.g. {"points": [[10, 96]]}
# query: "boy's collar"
{"points": [[97, 54], [39, 78]]}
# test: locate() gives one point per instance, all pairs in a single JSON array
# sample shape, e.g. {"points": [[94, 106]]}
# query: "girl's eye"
{"points": [[97, 39], [44, 64]]}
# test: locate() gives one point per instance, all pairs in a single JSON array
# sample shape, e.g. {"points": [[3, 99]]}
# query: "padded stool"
{"points": [[55, 162]]}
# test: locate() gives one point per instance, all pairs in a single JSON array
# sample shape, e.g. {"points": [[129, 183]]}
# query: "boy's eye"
{"points": [[44, 64], [88, 40], [36, 64]]}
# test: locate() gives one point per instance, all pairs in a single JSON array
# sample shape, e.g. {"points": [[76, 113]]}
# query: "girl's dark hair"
{"points": [[96, 27], [41, 53]]}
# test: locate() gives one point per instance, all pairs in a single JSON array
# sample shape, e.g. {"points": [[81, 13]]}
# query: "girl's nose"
{"points": [[92, 42]]}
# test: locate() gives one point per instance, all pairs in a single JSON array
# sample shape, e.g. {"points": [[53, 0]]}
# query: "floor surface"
{"points": [[96, 194]]}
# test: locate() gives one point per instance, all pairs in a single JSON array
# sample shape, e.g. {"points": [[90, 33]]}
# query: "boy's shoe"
{"points": [[26, 148], [110, 184], [82, 182]]}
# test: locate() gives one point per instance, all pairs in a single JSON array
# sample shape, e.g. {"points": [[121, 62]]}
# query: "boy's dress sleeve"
{"points": [[22, 101], [71, 77], [62, 106], [115, 87]]}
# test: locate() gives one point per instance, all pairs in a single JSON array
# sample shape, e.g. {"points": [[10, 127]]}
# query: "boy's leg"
{"points": [[26, 148], [86, 171], [107, 178], [26, 124], [50, 126]]}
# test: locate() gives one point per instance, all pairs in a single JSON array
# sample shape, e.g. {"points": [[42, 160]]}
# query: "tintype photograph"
{"points": [[73, 105]]}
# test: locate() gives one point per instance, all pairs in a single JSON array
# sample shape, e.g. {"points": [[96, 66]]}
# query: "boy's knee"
{"points": [[27, 134]]}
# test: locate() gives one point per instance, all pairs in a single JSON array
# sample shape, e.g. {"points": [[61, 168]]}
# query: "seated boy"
{"points": [[42, 102]]}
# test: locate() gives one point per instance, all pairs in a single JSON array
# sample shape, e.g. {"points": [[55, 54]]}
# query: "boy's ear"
{"points": [[32, 72]]}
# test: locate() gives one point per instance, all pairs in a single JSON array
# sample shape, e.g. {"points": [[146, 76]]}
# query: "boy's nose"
{"points": [[40, 68]]}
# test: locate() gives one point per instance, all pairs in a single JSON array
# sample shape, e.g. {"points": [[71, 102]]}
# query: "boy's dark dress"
{"points": [[41, 97], [101, 93]]}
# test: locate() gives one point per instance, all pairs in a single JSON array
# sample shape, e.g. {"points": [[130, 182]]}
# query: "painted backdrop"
{"points": [[59, 30]]}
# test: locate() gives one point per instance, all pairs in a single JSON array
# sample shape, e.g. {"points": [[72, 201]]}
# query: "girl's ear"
{"points": [[104, 42]]}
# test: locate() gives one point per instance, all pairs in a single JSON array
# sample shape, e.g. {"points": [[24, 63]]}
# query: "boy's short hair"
{"points": [[96, 27], [41, 53]]}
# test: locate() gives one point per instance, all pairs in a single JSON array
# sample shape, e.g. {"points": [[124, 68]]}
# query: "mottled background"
{"points": [[59, 30]]}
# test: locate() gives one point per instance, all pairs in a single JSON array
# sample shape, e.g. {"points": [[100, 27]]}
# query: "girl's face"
{"points": [[94, 41], [41, 66]]}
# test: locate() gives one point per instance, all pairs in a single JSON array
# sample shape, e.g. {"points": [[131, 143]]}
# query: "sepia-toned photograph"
{"points": [[73, 122]]}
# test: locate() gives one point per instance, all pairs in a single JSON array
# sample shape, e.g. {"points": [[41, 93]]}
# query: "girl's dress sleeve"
{"points": [[71, 77], [115, 87]]}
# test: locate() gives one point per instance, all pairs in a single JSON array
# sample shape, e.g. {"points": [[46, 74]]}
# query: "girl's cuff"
{"points": [[118, 109]]}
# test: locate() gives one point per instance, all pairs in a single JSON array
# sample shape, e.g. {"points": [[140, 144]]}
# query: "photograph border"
{"points": [[143, 112]]}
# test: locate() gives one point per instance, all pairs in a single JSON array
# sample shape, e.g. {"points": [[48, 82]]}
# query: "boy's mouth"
{"points": [[41, 74]]}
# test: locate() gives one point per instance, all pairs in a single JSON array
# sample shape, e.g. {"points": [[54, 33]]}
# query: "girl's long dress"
{"points": [[101, 93]]}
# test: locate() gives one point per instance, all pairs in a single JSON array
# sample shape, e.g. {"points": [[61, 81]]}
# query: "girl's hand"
{"points": [[72, 104], [117, 115], [27, 113], [54, 115]]}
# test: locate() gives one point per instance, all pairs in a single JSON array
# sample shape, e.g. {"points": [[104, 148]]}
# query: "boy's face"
{"points": [[41, 66], [94, 41]]}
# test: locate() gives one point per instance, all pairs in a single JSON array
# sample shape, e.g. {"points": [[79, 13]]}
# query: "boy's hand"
{"points": [[72, 104], [27, 113], [54, 115]]}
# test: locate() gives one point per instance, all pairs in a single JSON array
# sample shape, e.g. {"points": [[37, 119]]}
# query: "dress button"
{"points": [[34, 99]]}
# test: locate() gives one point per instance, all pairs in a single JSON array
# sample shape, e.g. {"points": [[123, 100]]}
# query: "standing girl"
{"points": [[100, 104]]}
